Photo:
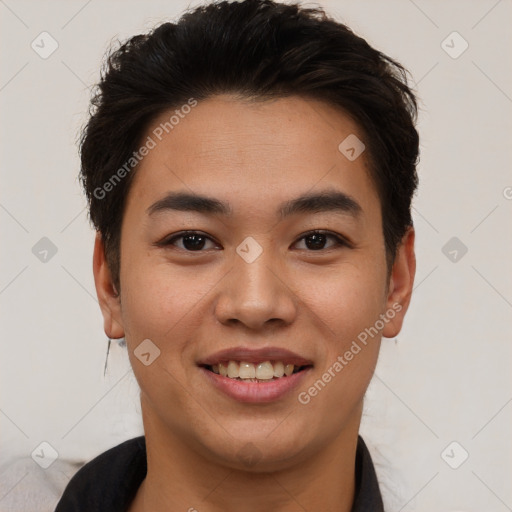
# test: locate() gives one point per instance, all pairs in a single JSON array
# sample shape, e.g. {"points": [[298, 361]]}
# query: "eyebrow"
{"points": [[323, 201]]}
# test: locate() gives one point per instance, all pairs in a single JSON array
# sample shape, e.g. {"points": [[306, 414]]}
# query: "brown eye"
{"points": [[191, 241], [316, 240]]}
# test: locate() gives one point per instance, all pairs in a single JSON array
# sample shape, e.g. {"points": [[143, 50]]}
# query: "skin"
{"points": [[313, 302]]}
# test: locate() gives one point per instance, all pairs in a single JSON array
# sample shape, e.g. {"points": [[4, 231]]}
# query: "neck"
{"points": [[181, 478]]}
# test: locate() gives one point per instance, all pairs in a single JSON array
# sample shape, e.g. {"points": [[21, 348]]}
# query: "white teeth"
{"points": [[264, 371], [249, 372], [278, 369], [233, 370]]}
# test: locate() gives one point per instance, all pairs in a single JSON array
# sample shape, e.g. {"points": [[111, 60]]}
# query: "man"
{"points": [[249, 172]]}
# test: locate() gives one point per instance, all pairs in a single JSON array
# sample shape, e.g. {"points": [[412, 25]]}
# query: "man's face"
{"points": [[255, 281]]}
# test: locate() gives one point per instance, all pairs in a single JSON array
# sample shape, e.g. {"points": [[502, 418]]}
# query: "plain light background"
{"points": [[445, 379]]}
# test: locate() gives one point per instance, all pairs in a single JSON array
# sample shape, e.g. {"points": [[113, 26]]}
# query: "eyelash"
{"points": [[340, 241]]}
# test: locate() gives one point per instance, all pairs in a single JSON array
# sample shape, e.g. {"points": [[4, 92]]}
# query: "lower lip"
{"points": [[256, 392]]}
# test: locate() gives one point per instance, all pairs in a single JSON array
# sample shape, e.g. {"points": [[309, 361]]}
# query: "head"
{"points": [[252, 124]]}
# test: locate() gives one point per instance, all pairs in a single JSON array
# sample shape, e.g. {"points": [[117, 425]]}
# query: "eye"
{"points": [[315, 240], [192, 241]]}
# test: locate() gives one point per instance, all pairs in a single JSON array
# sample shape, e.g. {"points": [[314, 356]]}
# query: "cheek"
{"points": [[156, 301], [346, 300], [346, 306], [163, 307]]}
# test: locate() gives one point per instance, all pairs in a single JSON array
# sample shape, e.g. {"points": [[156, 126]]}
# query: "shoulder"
{"points": [[109, 481]]}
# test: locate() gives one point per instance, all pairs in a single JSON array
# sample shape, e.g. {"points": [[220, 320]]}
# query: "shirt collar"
{"points": [[367, 496], [110, 481]]}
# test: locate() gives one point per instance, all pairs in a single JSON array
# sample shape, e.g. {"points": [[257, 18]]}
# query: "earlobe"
{"points": [[400, 285], [108, 297]]}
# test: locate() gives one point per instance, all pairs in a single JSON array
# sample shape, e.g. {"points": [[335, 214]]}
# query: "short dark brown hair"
{"points": [[253, 48]]}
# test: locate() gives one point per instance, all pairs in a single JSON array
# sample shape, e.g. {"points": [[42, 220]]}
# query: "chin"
{"points": [[257, 451]]}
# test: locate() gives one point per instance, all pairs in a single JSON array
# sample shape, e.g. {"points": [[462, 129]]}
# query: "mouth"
{"points": [[249, 375]]}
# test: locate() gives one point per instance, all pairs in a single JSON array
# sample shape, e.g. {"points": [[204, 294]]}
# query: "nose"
{"points": [[256, 294]]}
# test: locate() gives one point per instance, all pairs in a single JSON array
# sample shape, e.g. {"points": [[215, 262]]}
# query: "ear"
{"points": [[105, 290], [401, 282]]}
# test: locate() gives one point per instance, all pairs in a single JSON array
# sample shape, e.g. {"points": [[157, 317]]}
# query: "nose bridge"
{"points": [[255, 293]]}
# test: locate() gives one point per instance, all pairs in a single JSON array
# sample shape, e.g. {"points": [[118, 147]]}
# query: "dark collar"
{"points": [[110, 481], [367, 497]]}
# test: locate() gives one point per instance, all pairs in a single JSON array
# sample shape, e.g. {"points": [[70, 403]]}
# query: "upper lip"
{"points": [[252, 355]]}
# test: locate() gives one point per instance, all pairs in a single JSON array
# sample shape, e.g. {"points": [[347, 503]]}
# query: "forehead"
{"points": [[259, 152]]}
